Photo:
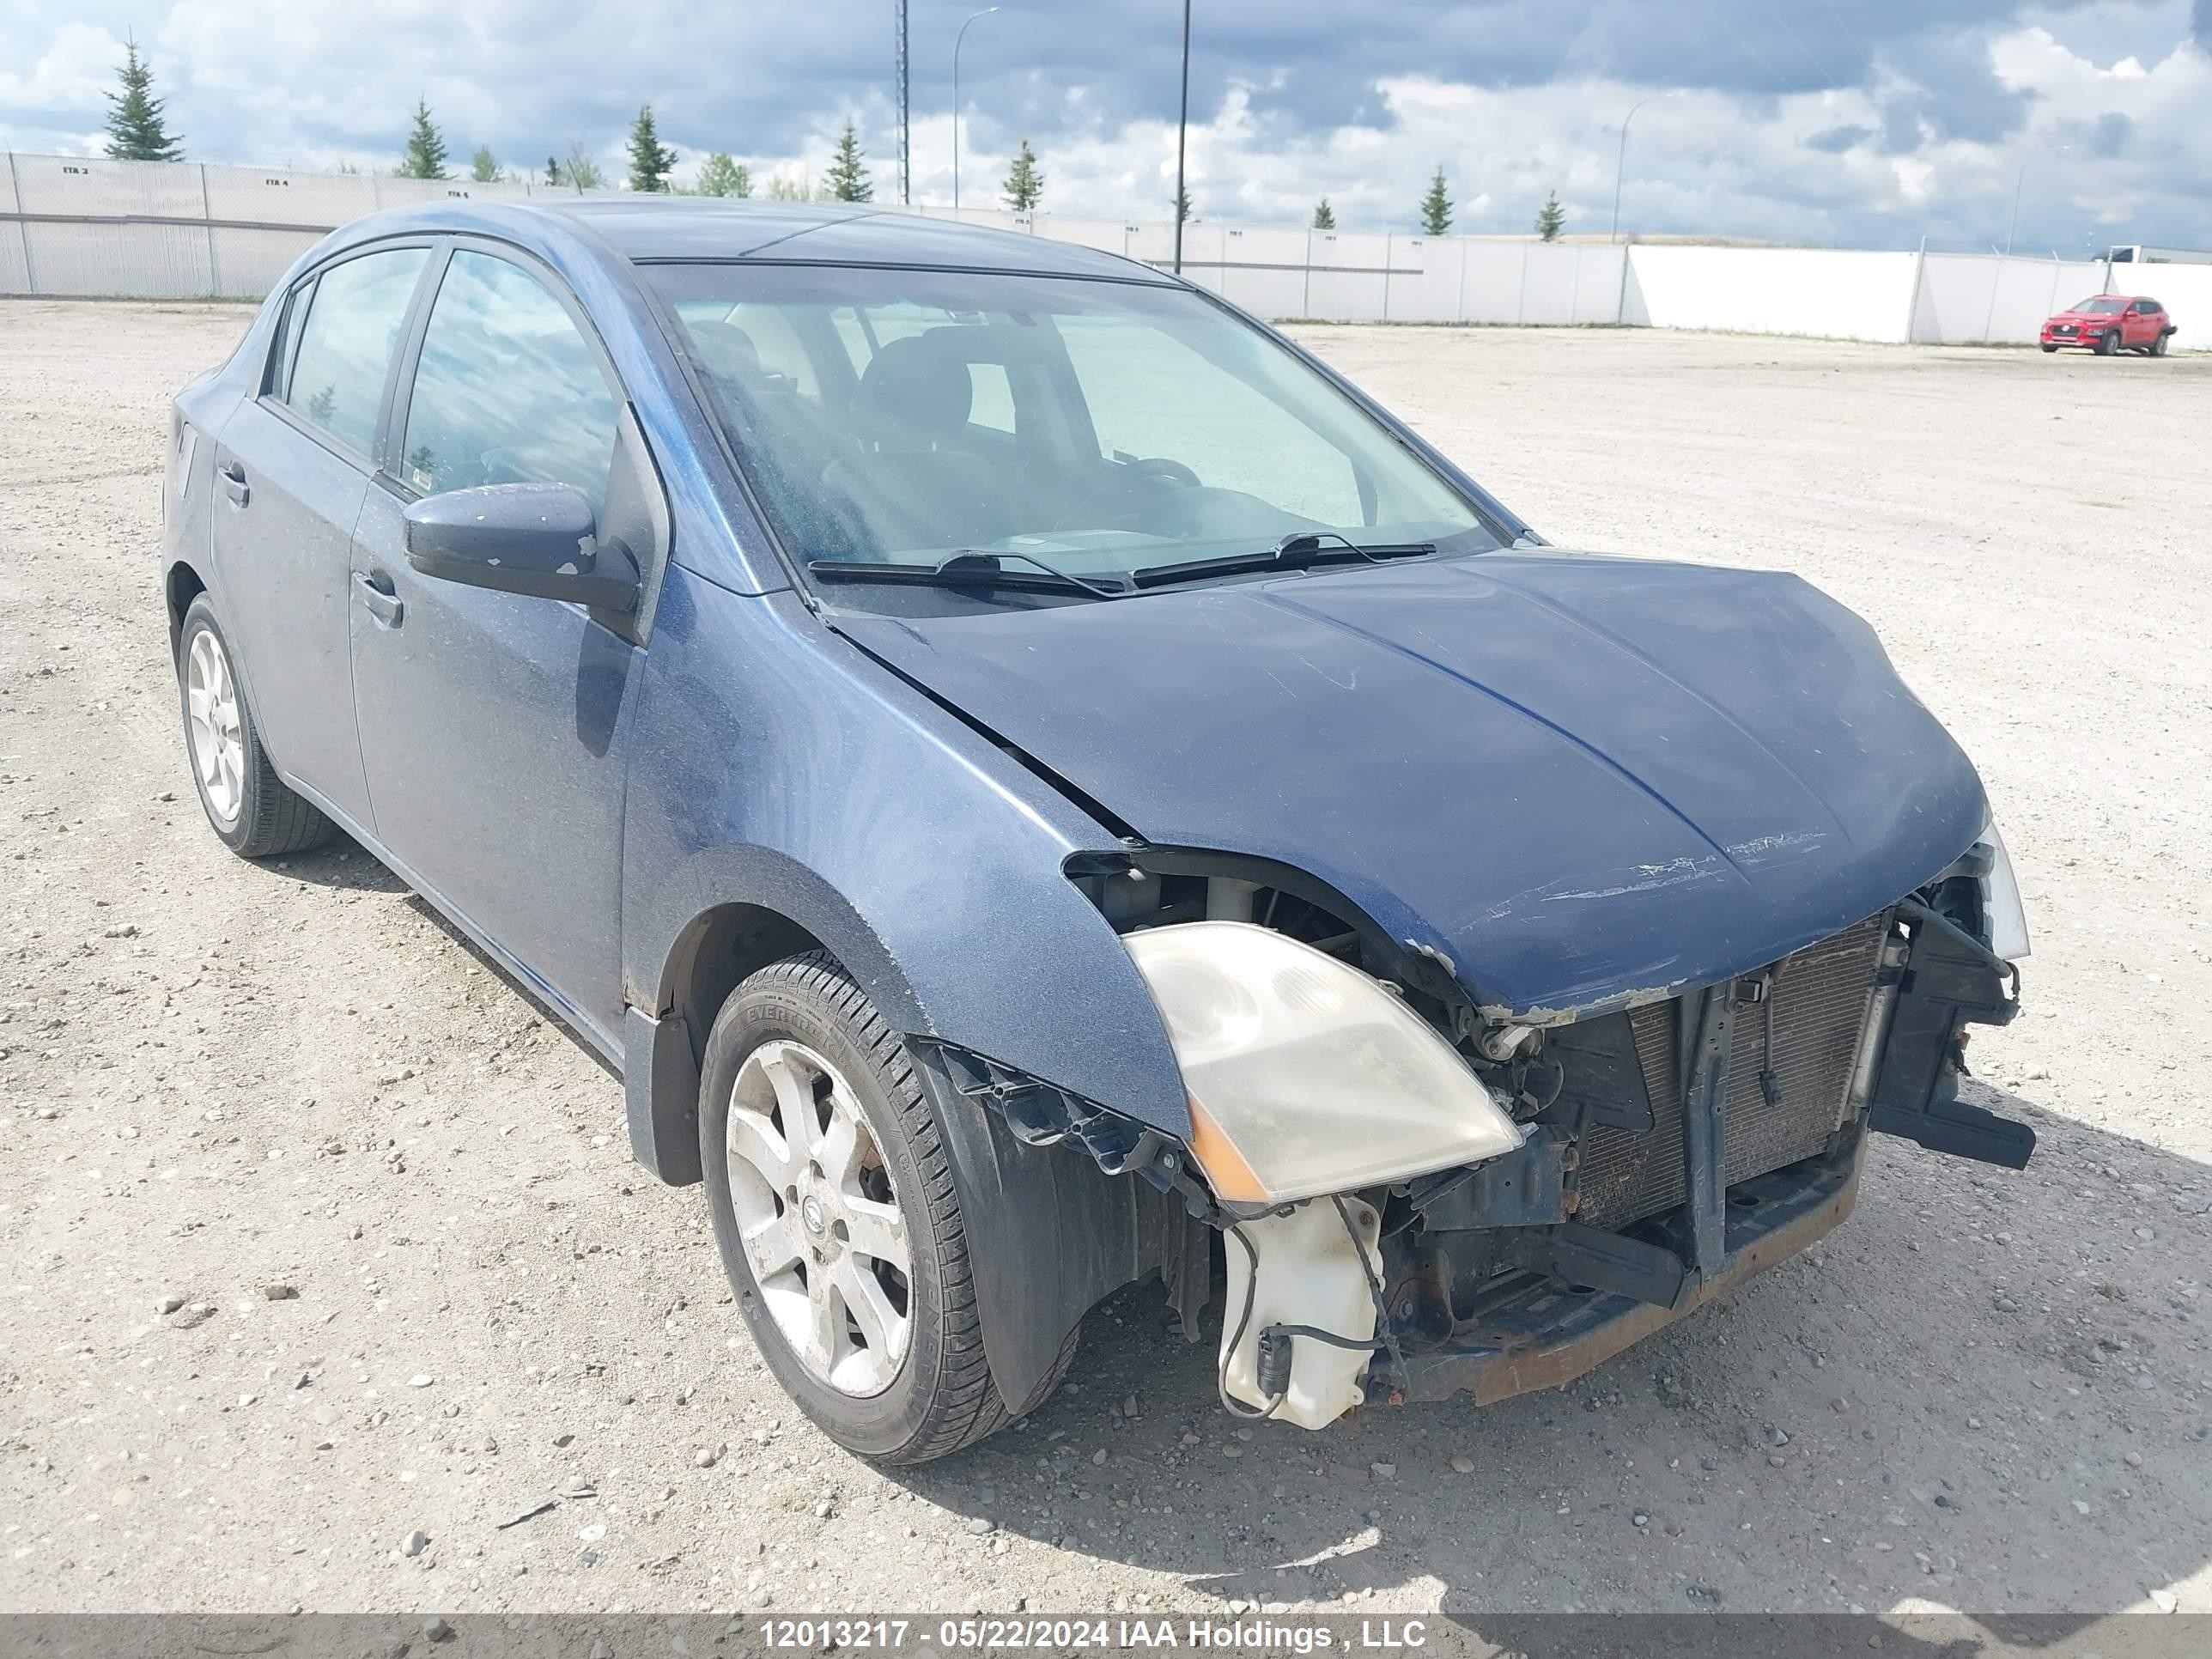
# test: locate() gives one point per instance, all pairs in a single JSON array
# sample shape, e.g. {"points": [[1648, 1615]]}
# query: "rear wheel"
{"points": [[833, 1203], [2158, 346], [250, 808]]}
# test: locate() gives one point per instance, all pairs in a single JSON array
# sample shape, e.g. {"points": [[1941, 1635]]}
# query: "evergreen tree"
{"points": [[650, 160], [426, 148], [552, 170], [1024, 181], [1324, 215], [720, 176], [848, 178], [135, 129], [1182, 212], [1551, 218], [580, 172], [1435, 207], [483, 167]]}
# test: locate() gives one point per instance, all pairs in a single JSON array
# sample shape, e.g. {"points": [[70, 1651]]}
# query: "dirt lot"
{"points": [[1988, 1392]]}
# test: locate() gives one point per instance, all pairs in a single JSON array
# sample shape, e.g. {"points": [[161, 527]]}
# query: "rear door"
{"points": [[489, 721], [291, 470]]}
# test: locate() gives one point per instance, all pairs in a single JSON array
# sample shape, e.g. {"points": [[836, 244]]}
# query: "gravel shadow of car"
{"points": [[1958, 1396]]}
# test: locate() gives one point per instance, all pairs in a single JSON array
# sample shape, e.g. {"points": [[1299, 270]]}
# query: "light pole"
{"points": [[1183, 126], [2018, 179], [956, 39], [1620, 161]]}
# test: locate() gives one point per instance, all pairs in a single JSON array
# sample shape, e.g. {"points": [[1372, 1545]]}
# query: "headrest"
{"points": [[919, 383]]}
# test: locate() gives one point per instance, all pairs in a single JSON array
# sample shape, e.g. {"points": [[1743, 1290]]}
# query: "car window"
{"points": [[2149, 307], [2103, 305], [295, 317], [507, 389], [1103, 427], [347, 343], [1228, 431]]}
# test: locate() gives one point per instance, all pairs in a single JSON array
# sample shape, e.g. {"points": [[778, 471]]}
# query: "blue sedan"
{"points": [[1034, 783]]}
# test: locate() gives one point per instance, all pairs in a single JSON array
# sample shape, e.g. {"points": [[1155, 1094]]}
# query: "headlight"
{"points": [[2001, 907], [1305, 1075]]}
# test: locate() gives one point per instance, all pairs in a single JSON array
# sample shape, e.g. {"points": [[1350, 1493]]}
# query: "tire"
{"points": [[2108, 342], [252, 811], [2158, 346], [2050, 348], [800, 1034]]}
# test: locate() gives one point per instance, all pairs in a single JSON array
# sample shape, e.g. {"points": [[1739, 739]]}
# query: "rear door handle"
{"points": [[234, 484], [376, 596]]}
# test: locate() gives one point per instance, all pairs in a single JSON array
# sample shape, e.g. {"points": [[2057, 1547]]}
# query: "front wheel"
{"points": [[833, 1203], [2050, 348], [2108, 342]]}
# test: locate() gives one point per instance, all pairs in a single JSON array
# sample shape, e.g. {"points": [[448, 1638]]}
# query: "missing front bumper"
{"points": [[1536, 1335]]}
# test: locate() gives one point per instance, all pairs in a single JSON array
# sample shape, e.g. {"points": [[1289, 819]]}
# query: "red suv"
{"points": [[2112, 322]]}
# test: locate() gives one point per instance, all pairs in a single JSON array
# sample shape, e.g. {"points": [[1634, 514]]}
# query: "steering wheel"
{"points": [[1154, 471]]}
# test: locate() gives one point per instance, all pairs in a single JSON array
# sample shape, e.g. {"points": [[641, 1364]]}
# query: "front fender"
{"points": [[779, 766]]}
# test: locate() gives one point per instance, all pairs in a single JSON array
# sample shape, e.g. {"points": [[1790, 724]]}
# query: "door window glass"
{"points": [[347, 344], [507, 391], [295, 317]]}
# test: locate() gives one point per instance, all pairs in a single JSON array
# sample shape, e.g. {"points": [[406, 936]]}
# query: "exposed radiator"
{"points": [[1821, 997]]}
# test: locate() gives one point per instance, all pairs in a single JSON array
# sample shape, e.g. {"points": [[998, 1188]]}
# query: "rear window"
{"points": [[347, 345]]}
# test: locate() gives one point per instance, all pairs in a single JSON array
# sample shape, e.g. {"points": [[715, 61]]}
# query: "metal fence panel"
{"points": [[1423, 283], [97, 188], [120, 259]]}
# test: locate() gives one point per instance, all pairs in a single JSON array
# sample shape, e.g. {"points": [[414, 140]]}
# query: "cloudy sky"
{"points": [[1868, 123]]}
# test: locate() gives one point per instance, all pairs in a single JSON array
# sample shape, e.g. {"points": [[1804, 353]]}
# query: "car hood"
{"points": [[1584, 781]]}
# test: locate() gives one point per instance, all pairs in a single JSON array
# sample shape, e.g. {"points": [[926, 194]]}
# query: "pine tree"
{"points": [[1024, 181], [720, 176], [848, 178], [1182, 212], [483, 166], [1551, 218], [134, 128], [552, 170], [650, 160], [1435, 207], [1324, 215], [580, 172], [425, 157]]}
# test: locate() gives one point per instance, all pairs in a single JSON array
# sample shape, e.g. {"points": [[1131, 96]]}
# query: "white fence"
{"points": [[77, 226]]}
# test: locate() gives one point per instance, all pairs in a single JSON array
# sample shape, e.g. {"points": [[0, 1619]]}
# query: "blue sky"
{"points": [[1867, 122]]}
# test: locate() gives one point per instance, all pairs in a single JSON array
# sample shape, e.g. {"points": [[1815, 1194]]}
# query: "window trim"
{"points": [[279, 407]]}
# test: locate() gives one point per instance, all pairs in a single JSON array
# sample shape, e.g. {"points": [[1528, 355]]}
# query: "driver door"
{"points": [[491, 722]]}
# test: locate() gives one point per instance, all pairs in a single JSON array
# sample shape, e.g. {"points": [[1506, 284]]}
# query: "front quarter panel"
{"points": [[776, 764]]}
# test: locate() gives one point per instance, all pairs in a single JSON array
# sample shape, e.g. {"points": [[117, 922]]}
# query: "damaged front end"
{"points": [[1419, 1200]]}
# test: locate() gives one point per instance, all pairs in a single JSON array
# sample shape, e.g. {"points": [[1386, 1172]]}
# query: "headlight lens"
{"points": [[2000, 906], [1307, 1077]]}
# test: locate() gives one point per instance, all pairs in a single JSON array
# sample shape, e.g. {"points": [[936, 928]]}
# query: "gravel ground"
{"points": [[415, 1286]]}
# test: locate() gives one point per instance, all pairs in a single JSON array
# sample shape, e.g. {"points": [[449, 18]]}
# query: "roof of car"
{"points": [[832, 233]]}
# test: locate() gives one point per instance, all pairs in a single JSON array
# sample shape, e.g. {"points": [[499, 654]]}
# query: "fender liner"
{"points": [[1050, 1235]]}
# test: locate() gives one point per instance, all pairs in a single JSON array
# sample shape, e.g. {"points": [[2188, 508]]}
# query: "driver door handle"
{"points": [[376, 598]]}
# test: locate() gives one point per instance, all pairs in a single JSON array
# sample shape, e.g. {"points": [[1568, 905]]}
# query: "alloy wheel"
{"points": [[217, 743], [819, 1221]]}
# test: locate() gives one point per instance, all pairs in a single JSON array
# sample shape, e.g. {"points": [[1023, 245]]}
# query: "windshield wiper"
{"points": [[972, 569], [1299, 550]]}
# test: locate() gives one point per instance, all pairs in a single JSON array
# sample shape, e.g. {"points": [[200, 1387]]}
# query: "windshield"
{"points": [[887, 417], [2102, 307]]}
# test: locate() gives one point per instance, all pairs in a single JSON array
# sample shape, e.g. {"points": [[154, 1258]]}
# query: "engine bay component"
{"points": [[1299, 1332], [1306, 1076]]}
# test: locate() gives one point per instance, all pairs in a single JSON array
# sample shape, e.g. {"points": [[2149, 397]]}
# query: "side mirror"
{"points": [[533, 538]]}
